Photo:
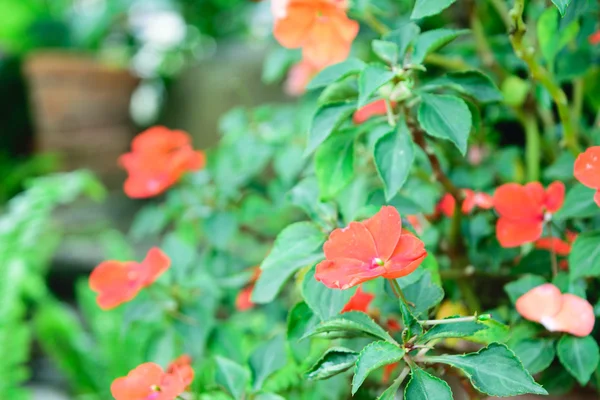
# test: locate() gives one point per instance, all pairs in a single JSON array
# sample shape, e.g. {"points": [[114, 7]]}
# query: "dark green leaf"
{"points": [[267, 359], [494, 370], [277, 63], [579, 203], [232, 377], [373, 356], [336, 72], [495, 332], [326, 120], [584, 259], [404, 36], [300, 321], [523, 285], [425, 8], [296, 246], [562, 5], [351, 324], [334, 164], [446, 117], [386, 51], [579, 355], [535, 354], [394, 156], [424, 294], [333, 362], [370, 79], [424, 386], [325, 302], [345, 91], [433, 40], [409, 323], [390, 392], [471, 83], [455, 330]]}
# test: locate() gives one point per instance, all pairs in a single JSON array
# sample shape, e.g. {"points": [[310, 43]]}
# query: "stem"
{"points": [[578, 92], [375, 24], [390, 113], [448, 321], [533, 153], [402, 376], [540, 74], [482, 45], [502, 10], [553, 261], [452, 63], [398, 291]]}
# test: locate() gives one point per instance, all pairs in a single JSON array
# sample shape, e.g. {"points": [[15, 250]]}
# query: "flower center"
{"points": [[378, 261]]}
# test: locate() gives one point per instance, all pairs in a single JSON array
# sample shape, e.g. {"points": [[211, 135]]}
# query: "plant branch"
{"points": [[541, 75], [375, 24], [431, 322], [533, 153]]}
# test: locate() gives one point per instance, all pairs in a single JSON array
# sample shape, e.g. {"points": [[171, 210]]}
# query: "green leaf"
{"points": [[327, 119], [552, 39], [565, 284], [522, 285], [394, 156], [385, 50], [562, 5], [232, 377], [324, 302], [298, 245], [425, 8], [424, 294], [390, 392], [370, 79], [404, 36], [424, 386], [471, 83], [267, 359], [446, 117], [336, 73], [300, 321], [579, 355], [333, 362], [579, 203], [584, 259], [455, 330], [409, 322], [494, 370], [433, 40], [495, 332], [373, 356], [345, 91], [334, 164], [267, 396], [277, 63], [350, 324], [515, 90], [535, 354]]}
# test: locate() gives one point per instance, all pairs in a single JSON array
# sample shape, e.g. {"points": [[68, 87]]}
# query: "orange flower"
{"points": [[181, 367], [373, 109], [524, 209], [587, 170], [243, 300], [594, 38], [149, 382], [118, 282], [366, 250], [320, 27], [158, 159], [359, 301], [558, 312], [472, 200], [298, 77]]}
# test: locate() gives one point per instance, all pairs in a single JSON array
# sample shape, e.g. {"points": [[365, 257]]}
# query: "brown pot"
{"points": [[81, 110]]}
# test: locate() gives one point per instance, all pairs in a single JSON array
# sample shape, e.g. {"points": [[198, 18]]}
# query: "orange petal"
{"points": [[242, 301], [594, 38], [385, 228], [587, 167], [298, 77], [323, 45], [114, 282], [597, 198], [576, 316], [343, 273], [346, 28], [484, 200], [154, 265], [138, 383], [291, 31], [555, 196], [408, 255], [159, 139], [513, 233], [354, 241], [447, 205], [540, 303], [560, 247], [359, 301], [388, 370], [184, 375], [370, 110], [520, 202]]}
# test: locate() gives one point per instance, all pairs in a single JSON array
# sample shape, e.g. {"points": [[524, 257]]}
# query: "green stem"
{"points": [[375, 24], [451, 63], [398, 291], [541, 75], [533, 153], [430, 322]]}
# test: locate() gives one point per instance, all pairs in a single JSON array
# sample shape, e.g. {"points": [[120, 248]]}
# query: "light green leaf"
{"points": [[471, 83], [373, 356], [385, 50], [584, 259], [298, 245], [268, 396], [424, 386], [232, 377], [334, 164], [535, 354], [344, 91], [579, 355], [300, 321], [327, 119], [579, 203], [425, 8], [424, 294], [336, 73], [522, 285], [333, 362], [494, 370], [552, 39], [370, 79], [433, 40], [350, 324], [324, 302], [267, 359], [404, 36], [495, 332], [277, 63], [446, 117], [562, 5], [394, 156], [455, 330], [390, 392]]}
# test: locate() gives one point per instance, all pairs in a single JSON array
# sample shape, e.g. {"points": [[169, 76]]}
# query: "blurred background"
{"points": [[79, 78]]}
